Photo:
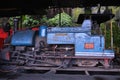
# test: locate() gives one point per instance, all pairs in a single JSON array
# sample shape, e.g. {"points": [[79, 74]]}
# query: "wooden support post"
{"points": [[105, 35], [111, 34]]}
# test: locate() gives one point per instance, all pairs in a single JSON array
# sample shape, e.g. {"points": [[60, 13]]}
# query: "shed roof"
{"points": [[19, 7]]}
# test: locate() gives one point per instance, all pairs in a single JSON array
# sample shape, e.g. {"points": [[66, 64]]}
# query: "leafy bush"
{"points": [[116, 35], [11, 20], [63, 19], [29, 21], [43, 20]]}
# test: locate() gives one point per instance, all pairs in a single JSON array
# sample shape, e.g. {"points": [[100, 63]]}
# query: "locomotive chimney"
{"points": [[16, 24]]}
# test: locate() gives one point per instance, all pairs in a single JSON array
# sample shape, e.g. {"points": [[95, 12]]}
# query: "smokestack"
{"points": [[16, 24]]}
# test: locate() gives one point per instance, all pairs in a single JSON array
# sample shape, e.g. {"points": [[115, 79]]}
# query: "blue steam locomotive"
{"points": [[60, 46]]}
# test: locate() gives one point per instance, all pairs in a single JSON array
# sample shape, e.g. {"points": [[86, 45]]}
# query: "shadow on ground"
{"points": [[9, 76]]}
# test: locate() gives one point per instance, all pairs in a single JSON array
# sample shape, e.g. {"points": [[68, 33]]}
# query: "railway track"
{"points": [[76, 73], [73, 70]]}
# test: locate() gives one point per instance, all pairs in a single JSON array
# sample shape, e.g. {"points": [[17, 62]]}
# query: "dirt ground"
{"points": [[50, 76]]}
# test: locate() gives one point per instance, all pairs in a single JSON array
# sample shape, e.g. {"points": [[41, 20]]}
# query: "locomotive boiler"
{"points": [[60, 46]]}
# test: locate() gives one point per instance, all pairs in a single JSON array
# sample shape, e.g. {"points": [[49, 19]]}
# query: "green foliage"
{"points": [[29, 21], [11, 20], [117, 15], [43, 20], [106, 34], [116, 35], [75, 13], [108, 39], [88, 10], [65, 20]]}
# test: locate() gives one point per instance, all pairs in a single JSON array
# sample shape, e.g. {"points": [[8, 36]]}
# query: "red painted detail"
{"points": [[106, 64], [35, 29], [89, 45], [1, 43], [3, 36]]}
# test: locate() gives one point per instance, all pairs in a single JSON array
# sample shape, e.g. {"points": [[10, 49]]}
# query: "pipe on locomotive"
{"points": [[15, 24]]}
